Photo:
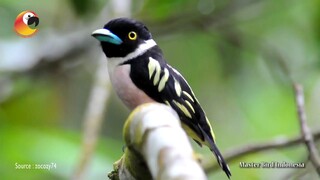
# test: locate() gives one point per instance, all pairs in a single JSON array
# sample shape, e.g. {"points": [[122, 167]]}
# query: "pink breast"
{"points": [[130, 95]]}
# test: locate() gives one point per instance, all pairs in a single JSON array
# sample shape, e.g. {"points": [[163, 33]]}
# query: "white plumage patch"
{"points": [[142, 48]]}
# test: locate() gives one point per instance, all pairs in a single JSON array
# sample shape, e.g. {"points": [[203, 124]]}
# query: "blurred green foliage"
{"points": [[240, 57]]}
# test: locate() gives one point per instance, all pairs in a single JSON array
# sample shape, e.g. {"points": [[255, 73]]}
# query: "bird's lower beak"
{"points": [[104, 35]]}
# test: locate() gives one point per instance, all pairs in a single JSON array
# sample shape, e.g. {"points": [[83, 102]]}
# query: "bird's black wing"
{"points": [[161, 82], [150, 73]]}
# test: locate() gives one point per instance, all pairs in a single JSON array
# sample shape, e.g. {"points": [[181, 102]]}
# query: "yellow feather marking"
{"points": [[211, 131], [189, 104], [188, 95], [177, 72], [151, 66], [157, 76], [157, 69], [183, 109], [195, 136], [167, 103], [177, 87], [192, 134], [163, 80]]}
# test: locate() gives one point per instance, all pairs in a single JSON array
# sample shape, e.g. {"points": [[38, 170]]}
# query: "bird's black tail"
{"points": [[213, 147], [221, 160]]}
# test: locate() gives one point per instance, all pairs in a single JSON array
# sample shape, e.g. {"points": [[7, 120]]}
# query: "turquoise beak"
{"points": [[104, 35]]}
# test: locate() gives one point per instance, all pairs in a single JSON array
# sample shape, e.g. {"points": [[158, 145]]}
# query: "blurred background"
{"points": [[240, 57]]}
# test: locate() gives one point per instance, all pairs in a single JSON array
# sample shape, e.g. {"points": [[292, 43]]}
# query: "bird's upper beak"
{"points": [[104, 35]]}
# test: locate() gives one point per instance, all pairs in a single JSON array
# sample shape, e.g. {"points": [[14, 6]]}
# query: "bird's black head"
{"points": [[122, 36]]}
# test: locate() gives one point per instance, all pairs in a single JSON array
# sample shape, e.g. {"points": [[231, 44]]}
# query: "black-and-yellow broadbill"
{"points": [[140, 74]]}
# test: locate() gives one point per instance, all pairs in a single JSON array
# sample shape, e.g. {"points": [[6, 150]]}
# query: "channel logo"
{"points": [[26, 24]]}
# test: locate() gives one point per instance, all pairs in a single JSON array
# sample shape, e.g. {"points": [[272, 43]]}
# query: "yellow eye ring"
{"points": [[132, 35]]}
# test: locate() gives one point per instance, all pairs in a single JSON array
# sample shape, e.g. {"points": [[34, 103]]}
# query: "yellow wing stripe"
{"points": [[151, 67], [177, 87], [190, 106], [211, 131], [157, 76], [188, 95], [154, 64], [163, 80], [183, 109], [193, 134]]}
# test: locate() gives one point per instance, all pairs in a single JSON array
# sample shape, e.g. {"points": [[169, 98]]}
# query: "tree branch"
{"points": [[157, 147], [277, 143], [305, 130], [94, 114], [99, 96], [307, 137]]}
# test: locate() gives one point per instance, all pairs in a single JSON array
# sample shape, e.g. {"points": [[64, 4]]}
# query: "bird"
{"points": [[26, 23], [140, 74]]}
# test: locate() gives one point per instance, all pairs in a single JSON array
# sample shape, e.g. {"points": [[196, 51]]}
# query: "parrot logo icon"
{"points": [[26, 24]]}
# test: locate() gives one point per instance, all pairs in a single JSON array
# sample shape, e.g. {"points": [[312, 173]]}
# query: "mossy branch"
{"points": [[156, 147]]}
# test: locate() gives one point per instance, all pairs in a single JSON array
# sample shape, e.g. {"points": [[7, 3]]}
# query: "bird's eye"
{"points": [[27, 16], [132, 35]]}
